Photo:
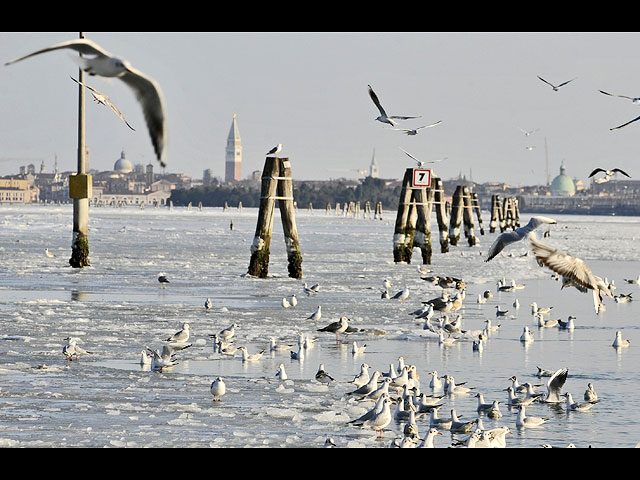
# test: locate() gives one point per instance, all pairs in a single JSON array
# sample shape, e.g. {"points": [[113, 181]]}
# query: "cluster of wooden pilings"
{"points": [[505, 213], [353, 210], [277, 184], [413, 221]]}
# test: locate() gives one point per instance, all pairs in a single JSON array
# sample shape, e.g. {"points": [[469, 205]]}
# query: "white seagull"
{"points": [[421, 163], [555, 87], [48, 253], [625, 124], [523, 421], [573, 270], [635, 100], [528, 132], [414, 131], [590, 394], [317, 315], [274, 150], [250, 357], [181, 335], [607, 174], [507, 238], [554, 386], [577, 406], [336, 327], [619, 342], [384, 118], [281, 374], [218, 389], [102, 99], [104, 64]]}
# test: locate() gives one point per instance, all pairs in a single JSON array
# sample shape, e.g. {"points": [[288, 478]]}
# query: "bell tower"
{"points": [[233, 154]]}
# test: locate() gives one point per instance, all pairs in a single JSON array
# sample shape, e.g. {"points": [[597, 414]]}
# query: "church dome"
{"points": [[123, 165], [562, 185]]}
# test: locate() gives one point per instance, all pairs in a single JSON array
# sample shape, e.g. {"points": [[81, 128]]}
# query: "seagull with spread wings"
{"points": [[384, 118], [555, 87], [507, 238], [421, 163], [102, 99], [635, 100], [607, 174], [414, 131], [104, 64], [573, 270]]}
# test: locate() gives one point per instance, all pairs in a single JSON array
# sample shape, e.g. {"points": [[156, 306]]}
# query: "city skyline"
{"points": [[309, 92]]}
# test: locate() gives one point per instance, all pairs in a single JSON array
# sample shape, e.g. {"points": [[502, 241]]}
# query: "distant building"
{"points": [[13, 190], [373, 168], [233, 154], [562, 185]]}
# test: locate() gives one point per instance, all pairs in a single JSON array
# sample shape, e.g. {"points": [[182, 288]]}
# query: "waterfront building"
{"points": [[562, 185]]}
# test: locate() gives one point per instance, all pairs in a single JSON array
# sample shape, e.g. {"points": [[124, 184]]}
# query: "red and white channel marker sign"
{"points": [[421, 177]]}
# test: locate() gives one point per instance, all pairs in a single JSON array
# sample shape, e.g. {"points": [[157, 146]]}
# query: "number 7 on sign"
{"points": [[421, 177]]}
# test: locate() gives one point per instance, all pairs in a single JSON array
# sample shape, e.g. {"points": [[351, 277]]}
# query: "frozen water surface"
{"points": [[116, 307]]}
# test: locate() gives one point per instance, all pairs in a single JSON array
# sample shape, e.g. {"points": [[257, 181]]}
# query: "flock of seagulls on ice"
{"points": [[395, 394], [399, 388]]}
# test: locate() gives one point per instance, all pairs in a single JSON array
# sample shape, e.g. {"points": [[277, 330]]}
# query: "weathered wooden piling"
{"points": [[507, 214], [457, 206], [441, 212], [516, 212], [467, 217], [276, 185], [287, 213], [422, 236], [403, 233], [475, 201], [378, 212], [495, 215]]}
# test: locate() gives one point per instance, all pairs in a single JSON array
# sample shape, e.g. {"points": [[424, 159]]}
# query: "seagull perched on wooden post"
{"points": [[276, 149], [104, 64]]}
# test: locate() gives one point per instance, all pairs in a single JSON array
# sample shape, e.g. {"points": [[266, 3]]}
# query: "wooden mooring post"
{"points": [[467, 217], [475, 201], [277, 184], [413, 221], [441, 212], [457, 205]]}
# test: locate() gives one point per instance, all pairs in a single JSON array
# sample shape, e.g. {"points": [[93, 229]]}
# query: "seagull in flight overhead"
{"points": [[104, 64], [556, 87], [528, 132], [414, 131], [507, 238], [607, 174], [573, 270], [635, 100], [276, 149], [421, 163], [103, 100], [384, 118]]}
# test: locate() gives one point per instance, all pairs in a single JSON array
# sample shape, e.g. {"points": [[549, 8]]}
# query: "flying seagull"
{"points": [[421, 163], [384, 118], [625, 124], [528, 132], [104, 64], [607, 174], [103, 100], [414, 131], [555, 87], [276, 149], [573, 270], [635, 100], [507, 238]]}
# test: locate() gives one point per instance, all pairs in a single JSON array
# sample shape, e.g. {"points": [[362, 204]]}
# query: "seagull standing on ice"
{"points": [[317, 315], [104, 64], [181, 335], [218, 389], [507, 238], [384, 118]]}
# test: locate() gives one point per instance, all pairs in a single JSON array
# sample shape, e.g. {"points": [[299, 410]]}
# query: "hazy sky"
{"points": [[308, 91]]}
